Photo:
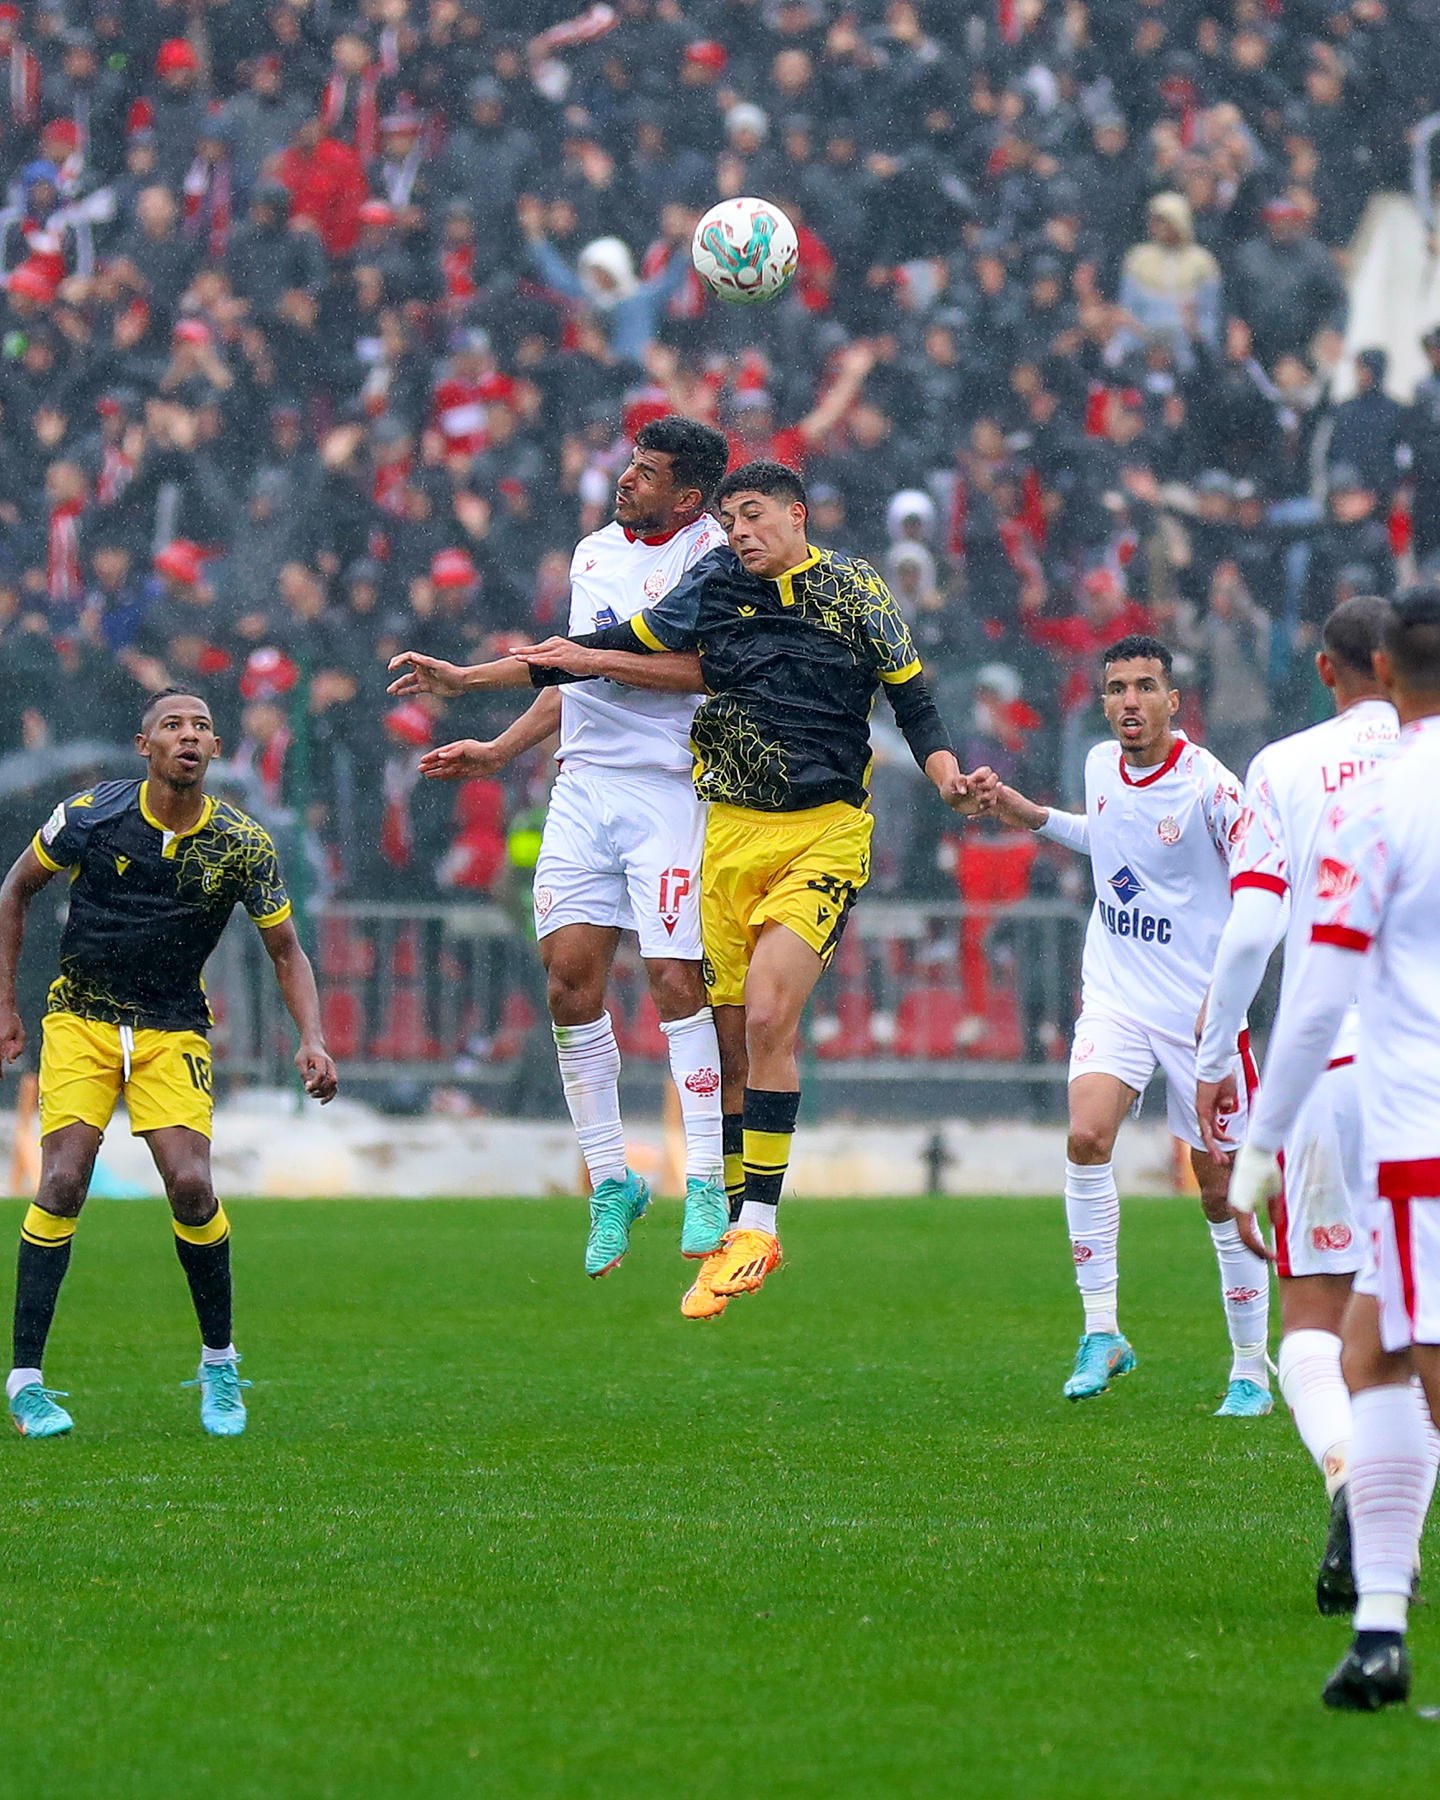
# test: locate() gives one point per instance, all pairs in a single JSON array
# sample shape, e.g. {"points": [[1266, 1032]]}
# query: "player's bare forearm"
{"points": [[430, 675], [296, 980], [665, 671], [1012, 808], [26, 878], [469, 758]]}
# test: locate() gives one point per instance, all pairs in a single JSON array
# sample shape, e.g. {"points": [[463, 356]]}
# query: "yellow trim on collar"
{"points": [[786, 582], [172, 838]]}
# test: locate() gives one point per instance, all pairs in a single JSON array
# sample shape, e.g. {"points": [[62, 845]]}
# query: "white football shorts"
{"points": [[1407, 1234], [622, 848], [1107, 1044], [1320, 1215]]}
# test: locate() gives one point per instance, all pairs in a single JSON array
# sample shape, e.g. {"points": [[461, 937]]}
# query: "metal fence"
{"points": [[919, 993]]}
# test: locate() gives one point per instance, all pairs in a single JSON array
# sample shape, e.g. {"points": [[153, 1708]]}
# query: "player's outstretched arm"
{"points": [[1065, 828], [429, 675], [665, 671], [26, 878], [469, 758], [302, 1001]]}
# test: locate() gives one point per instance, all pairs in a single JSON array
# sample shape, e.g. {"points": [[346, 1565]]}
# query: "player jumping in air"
{"points": [[1375, 930], [1161, 815], [1321, 1215], [156, 867], [794, 643], [624, 831]]}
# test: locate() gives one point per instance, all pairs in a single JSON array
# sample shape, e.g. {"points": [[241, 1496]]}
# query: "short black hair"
{"points": [[1354, 632], [772, 479], [171, 693], [1137, 644], [698, 453], [1411, 635]]}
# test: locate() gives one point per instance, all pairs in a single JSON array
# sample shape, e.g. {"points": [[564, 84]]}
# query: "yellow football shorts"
{"points": [[83, 1071], [800, 869]]}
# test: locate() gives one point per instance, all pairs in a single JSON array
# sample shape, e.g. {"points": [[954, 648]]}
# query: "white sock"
{"points": [[1245, 1288], [211, 1357], [695, 1070], [1389, 1480], [1432, 1445], [1092, 1214], [590, 1073], [755, 1215], [19, 1378], [1318, 1399]]}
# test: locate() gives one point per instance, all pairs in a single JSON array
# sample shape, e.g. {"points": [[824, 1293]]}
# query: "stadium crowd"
{"points": [[324, 331]]}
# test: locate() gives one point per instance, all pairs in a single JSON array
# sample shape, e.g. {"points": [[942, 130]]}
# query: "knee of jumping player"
{"points": [[575, 995], [677, 988]]}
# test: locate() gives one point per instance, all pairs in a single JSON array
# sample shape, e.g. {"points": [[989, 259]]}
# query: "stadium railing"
{"points": [[919, 993]]}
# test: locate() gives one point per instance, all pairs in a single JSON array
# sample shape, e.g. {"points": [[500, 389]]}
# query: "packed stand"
{"points": [[325, 331]]}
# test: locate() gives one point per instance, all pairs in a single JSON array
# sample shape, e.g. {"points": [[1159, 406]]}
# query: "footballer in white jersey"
{"points": [[1375, 930], [1160, 822], [623, 832], [1321, 1216]]}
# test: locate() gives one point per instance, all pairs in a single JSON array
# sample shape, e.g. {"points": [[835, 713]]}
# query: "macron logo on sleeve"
{"points": [[1126, 885]]}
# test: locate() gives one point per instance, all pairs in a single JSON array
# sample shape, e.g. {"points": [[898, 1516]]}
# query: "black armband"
{"points": [[918, 718], [613, 637]]}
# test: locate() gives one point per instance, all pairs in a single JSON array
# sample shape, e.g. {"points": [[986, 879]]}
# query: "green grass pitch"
{"points": [[499, 1531]]}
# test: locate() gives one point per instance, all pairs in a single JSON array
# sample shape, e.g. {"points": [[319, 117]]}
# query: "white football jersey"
{"points": [[613, 576], [1291, 788], [1377, 875], [1160, 841]]}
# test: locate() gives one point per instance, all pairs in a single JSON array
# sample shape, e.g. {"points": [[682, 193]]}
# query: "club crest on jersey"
{"points": [[1334, 880], [605, 615], [654, 584], [1126, 884], [1167, 830]]}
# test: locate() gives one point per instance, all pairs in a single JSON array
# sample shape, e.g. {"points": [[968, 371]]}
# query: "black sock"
{"points": [[769, 1125], [44, 1257], [204, 1252], [732, 1143]]}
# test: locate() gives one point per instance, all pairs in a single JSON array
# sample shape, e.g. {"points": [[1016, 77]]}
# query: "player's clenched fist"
{"points": [[12, 1036], [426, 675]]}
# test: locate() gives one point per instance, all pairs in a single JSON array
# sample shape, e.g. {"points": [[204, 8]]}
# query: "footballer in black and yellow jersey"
{"points": [[156, 867], [793, 645]]}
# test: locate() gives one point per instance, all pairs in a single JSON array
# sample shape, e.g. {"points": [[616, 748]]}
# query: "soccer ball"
{"points": [[745, 251]]}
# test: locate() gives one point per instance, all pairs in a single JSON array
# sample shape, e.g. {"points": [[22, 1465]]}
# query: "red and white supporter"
{"points": [[1375, 929], [1161, 819], [1321, 1214]]}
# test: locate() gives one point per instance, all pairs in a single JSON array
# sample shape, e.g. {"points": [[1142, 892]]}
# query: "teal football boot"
{"points": [[222, 1411], [707, 1217], [614, 1208], [1245, 1399], [36, 1415], [1101, 1356]]}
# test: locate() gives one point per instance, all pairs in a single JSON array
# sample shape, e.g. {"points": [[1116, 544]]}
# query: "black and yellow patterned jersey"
{"points": [[148, 905], [793, 665]]}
